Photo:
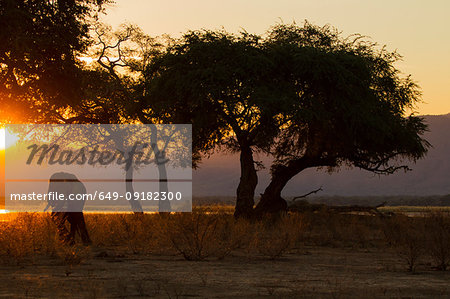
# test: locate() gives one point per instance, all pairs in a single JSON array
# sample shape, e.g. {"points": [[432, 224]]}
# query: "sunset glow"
{"points": [[2, 139], [12, 139], [224, 149], [416, 29]]}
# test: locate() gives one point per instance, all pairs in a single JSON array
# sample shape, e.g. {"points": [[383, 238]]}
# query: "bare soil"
{"points": [[318, 272]]}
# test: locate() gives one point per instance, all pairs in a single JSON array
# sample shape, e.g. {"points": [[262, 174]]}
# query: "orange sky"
{"points": [[417, 29]]}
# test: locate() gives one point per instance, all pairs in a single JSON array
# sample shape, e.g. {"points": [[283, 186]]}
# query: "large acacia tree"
{"points": [[305, 95]]}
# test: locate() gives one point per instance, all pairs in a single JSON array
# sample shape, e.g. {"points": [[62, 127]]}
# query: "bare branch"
{"points": [[309, 193]]}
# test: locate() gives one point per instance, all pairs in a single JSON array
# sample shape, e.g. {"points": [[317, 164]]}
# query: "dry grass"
{"points": [[213, 233], [318, 254], [407, 237], [417, 239], [438, 238]]}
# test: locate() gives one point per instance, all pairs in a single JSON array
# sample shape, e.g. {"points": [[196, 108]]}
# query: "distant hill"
{"points": [[219, 175]]}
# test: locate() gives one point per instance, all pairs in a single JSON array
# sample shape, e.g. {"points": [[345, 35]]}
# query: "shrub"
{"points": [[192, 235], [407, 237], [438, 238], [273, 238]]}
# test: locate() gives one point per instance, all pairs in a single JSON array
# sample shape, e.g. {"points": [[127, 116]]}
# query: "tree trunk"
{"points": [[135, 204], [247, 184], [271, 200], [163, 205]]}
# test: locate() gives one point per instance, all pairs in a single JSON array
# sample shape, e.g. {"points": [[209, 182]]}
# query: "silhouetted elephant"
{"points": [[68, 210]]}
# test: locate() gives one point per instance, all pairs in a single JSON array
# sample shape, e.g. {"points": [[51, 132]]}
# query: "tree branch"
{"points": [[309, 193]]}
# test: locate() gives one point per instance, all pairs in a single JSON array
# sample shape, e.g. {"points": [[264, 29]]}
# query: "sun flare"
{"points": [[2, 139], [7, 139]]}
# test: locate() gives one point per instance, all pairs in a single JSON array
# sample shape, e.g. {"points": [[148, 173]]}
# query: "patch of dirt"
{"points": [[317, 272]]}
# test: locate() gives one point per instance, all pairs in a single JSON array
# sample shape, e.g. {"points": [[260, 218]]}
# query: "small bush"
{"points": [[407, 237], [273, 238], [438, 238], [192, 235]]}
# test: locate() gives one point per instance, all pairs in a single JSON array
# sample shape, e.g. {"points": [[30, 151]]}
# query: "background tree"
{"points": [[113, 92]]}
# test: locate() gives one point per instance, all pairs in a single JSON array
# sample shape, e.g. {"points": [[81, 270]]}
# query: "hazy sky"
{"points": [[418, 29]]}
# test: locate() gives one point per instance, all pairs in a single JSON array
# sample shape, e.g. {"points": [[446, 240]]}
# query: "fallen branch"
{"points": [[307, 194]]}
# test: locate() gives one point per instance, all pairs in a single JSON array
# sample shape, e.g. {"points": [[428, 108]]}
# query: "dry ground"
{"points": [[318, 272], [183, 256]]}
